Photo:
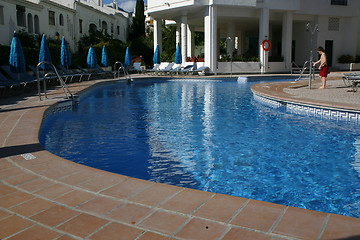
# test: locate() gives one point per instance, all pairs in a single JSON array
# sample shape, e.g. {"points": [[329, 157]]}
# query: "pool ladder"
{"points": [[67, 92], [124, 70], [311, 74], [302, 71]]}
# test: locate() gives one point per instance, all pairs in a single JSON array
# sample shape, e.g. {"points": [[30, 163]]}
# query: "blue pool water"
{"points": [[213, 136]]}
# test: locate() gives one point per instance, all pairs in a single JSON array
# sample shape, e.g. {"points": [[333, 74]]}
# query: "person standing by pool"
{"points": [[324, 68]]}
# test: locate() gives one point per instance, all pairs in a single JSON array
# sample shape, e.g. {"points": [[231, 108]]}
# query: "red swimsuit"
{"points": [[324, 71]]}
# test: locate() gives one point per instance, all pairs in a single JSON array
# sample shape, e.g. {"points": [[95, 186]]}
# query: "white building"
{"points": [[57, 18], [247, 23]]}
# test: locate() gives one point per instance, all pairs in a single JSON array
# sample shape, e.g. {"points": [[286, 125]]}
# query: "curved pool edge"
{"points": [[52, 196], [274, 95]]}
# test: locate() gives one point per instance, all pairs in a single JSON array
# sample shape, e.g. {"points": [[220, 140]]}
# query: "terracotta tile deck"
{"points": [[43, 196]]}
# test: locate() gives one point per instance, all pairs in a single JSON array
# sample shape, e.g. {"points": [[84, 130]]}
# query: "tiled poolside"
{"points": [[43, 196]]}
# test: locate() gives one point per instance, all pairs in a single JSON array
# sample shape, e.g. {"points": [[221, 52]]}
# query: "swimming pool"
{"points": [[212, 135]]}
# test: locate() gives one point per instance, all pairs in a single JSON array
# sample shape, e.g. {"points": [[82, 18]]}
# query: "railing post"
{"points": [[63, 85]]}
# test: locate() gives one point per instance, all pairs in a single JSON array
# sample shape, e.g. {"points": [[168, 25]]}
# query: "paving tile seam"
{"points": [[181, 227], [276, 235], [5, 119], [55, 228], [170, 197], [98, 230], [225, 232], [276, 223], [34, 224], [238, 211], [18, 232], [12, 129], [126, 201], [155, 209], [324, 226], [202, 204]]}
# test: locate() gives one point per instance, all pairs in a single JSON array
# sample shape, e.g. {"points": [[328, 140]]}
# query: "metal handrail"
{"points": [[297, 66], [63, 85], [303, 70], [117, 73]]}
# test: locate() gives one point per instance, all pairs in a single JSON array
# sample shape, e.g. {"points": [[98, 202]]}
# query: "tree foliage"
{"points": [[168, 43], [138, 26]]}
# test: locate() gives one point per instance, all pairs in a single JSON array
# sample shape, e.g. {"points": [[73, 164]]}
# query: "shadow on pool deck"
{"points": [[47, 197]]}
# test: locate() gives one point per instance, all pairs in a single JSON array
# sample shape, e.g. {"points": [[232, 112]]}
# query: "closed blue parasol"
{"points": [[104, 57], [178, 59], [44, 55], [127, 57], [17, 59], [156, 58], [65, 53], [91, 58]]}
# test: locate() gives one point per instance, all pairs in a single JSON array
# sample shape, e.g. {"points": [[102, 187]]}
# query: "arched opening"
{"points": [[61, 20], [37, 24], [92, 27], [104, 26], [30, 23]]}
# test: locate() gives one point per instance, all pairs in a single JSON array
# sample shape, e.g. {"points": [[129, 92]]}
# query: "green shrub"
{"points": [[346, 59], [357, 59]]}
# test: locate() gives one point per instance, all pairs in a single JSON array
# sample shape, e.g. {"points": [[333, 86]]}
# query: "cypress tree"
{"points": [[139, 20]]}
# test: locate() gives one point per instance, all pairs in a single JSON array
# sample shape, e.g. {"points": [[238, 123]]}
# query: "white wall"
{"points": [[249, 67], [70, 12]]}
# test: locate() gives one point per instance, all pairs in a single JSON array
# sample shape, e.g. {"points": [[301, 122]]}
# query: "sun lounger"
{"points": [[137, 66], [9, 87], [156, 67], [186, 69], [48, 75], [70, 73], [201, 70], [176, 69], [166, 69], [21, 78], [352, 80], [86, 71], [100, 70]]}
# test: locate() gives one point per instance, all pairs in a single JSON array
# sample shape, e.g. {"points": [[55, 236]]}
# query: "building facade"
{"points": [[57, 18], [295, 28]]}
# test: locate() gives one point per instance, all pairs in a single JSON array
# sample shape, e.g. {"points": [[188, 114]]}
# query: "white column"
{"points": [[190, 41], [287, 28], [157, 33], [178, 35], [263, 35], [210, 22], [230, 43], [184, 37]]}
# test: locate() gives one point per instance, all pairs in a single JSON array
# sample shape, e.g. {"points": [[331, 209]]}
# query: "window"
{"points": [[61, 20], [334, 24], [1, 15], [80, 26], [339, 2], [37, 24], [20, 16], [30, 23], [52, 18]]}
